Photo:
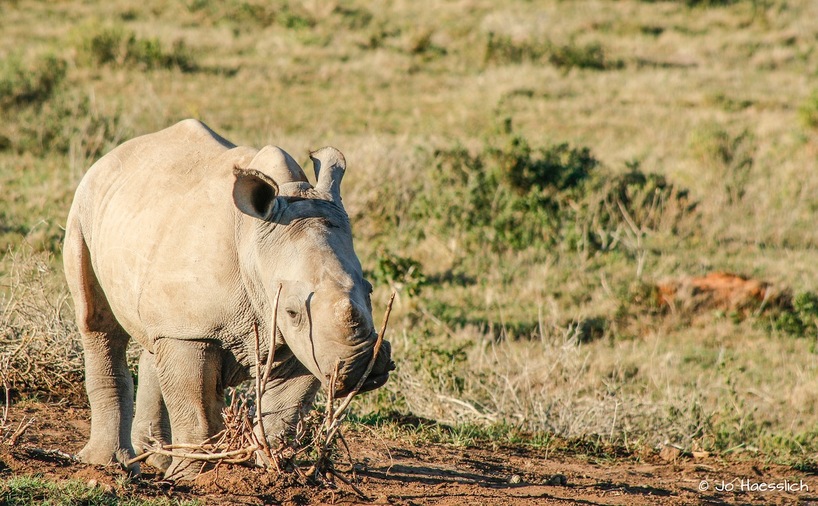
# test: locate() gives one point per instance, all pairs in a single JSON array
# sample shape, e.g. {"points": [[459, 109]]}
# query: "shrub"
{"points": [[24, 83], [808, 112], [113, 45], [510, 196], [631, 203], [507, 197], [69, 123], [802, 318], [401, 273], [503, 49]]}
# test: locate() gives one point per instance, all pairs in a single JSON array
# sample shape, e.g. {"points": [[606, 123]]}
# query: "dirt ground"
{"points": [[395, 472]]}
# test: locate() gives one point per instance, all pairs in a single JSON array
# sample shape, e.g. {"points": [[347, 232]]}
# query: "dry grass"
{"points": [[41, 353]]}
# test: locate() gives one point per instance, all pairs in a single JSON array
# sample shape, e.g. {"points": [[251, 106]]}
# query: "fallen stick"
{"points": [[265, 448], [208, 457]]}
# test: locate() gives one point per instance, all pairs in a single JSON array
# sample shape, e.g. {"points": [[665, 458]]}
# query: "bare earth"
{"points": [[395, 472]]}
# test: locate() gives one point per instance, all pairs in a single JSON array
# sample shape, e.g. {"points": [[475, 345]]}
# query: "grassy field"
{"points": [[522, 173]]}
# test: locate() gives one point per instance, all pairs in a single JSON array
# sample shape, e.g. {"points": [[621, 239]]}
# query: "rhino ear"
{"points": [[254, 193], [329, 165]]}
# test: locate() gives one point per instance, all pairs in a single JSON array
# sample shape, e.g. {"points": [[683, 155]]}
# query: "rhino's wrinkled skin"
{"points": [[180, 240]]}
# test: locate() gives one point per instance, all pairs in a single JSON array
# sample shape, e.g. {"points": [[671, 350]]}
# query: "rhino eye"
{"points": [[292, 313]]}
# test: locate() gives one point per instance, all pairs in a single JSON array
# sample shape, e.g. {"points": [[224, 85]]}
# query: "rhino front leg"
{"points": [[190, 377], [288, 395], [151, 419]]}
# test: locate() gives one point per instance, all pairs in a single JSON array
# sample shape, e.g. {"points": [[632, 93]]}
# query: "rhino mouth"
{"points": [[372, 382], [375, 381]]}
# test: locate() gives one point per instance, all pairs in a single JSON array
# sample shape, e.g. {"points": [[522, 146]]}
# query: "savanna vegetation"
{"points": [[523, 174]]}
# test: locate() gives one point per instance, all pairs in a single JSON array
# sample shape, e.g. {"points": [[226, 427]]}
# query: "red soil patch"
{"points": [[719, 290]]}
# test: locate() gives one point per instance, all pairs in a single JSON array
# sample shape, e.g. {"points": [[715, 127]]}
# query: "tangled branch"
{"points": [[240, 443]]}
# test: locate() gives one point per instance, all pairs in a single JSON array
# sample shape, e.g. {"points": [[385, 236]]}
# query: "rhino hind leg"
{"points": [[108, 380], [190, 378], [151, 422]]}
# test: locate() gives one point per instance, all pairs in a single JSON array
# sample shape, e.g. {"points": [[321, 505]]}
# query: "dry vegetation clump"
{"points": [[40, 348], [114, 45]]}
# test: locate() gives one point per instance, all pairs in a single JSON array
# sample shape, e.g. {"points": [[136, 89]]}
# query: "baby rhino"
{"points": [[181, 240]]}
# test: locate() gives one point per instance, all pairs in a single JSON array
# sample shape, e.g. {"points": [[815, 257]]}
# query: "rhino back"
{"points": [[159, 221]]}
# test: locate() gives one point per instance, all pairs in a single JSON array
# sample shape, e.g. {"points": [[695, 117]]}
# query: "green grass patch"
{"points": [[27, 490]]}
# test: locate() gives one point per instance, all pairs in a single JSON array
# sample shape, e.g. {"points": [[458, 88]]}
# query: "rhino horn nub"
{"points": [[329, 165], [278, 164]]}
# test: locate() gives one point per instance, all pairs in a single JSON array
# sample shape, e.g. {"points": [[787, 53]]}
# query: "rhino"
{"points": [[186, 242]]}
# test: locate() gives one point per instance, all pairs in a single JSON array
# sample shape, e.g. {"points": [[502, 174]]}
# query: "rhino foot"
{"points": [[103, 456], [186, 469], [160, 462]]}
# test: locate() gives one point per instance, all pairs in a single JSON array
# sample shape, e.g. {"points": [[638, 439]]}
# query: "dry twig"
{"points": [[333, 417]]}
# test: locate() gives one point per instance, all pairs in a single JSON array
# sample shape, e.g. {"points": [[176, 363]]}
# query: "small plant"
{"points": [[589, 56], [802, 319], [621, 208], [731, 155], [25, 83], [504, 49], [508, 197], [114, 45], [401, 273], [808, 112], [253, 13], [69, 123]]}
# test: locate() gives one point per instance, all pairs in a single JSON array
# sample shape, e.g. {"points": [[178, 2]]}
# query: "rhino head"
{"points": [[300, 240]]}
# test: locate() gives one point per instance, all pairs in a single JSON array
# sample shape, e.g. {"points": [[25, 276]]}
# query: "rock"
{"points": [[557, 480], [670, 453]]}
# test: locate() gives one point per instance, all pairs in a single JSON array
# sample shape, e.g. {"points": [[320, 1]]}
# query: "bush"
{"points": [[801, 319], [517, 197], [507, 197], [113, 45], [25, 83], [808, 112], [503, 49], [45, 116], [69, 123], [400, 273], [631, 203]]}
